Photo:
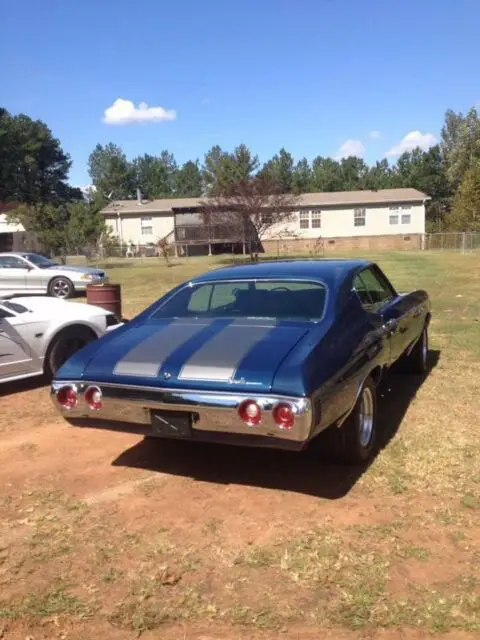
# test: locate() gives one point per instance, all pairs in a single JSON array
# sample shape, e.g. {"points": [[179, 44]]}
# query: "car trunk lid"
{"points": [[218, 354]]}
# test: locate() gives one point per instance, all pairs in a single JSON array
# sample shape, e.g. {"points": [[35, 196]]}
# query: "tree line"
{"points": [[34, 174], [448, 172]]}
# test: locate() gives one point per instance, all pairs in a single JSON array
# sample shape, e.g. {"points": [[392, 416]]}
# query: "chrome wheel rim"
{"points": [[366, 417], [60, 288]]}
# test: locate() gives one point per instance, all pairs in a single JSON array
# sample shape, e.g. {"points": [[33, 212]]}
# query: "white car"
{"points": [[30, 273], [37, 335]]}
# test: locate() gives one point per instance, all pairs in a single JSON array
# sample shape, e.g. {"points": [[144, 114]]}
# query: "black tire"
{"points": [[356, 439], [61, 287], [64, 345], [417, 360]]}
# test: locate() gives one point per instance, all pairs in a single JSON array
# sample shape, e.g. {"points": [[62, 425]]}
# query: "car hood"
{"points": [[233, 355], [64, 268], [55, 307]]}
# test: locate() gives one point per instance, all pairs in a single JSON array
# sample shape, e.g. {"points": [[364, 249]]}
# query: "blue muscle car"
{"points": [[265, 354]]}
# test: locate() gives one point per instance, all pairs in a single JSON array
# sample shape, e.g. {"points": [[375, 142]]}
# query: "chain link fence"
{"points": [[464, 242], [461, 242]]}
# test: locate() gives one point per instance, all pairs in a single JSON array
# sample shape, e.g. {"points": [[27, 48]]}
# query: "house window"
{"points": [[146, 225], [393, 209], [304, 219], [311, 219], [359, 217], [406, 214], [393, 218], [266, 218], [316, 218]]}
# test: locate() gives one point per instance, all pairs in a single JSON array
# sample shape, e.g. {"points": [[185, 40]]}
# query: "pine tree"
{"points": [[465, 213]]}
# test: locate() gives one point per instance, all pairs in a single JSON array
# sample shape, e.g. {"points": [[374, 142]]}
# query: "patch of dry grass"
{"points": [[413, 568]]}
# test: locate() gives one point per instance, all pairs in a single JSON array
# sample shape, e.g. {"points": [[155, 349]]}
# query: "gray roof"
{"points": [[321, 199]]}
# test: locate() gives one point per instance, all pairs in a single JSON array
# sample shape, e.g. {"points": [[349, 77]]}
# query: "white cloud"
{"points": [[412, 140], [85, 187], [124, 111], [375, 135], [88, 190], [350, 148]]}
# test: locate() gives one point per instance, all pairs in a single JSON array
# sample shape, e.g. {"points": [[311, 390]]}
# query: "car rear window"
{"points": [[279, 299]]}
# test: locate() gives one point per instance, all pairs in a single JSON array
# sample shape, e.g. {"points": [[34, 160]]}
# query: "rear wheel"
{"points": [[416, 361], [356, 439], [64, 346], [61, 287]]}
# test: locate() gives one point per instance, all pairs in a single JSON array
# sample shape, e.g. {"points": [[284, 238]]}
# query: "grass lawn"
{"points": [[106, 535], [452, 280]]}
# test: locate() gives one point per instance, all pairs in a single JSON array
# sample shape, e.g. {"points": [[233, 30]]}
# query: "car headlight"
{"points": [[90, 276]]}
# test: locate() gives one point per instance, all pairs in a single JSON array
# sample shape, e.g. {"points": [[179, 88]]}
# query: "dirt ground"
{"points": [[111, 535]]}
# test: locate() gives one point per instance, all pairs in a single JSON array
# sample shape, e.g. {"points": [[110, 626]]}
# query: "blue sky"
{"points": [[309, 75]]}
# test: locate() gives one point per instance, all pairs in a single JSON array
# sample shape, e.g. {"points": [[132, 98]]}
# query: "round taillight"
{"points": [[93, 397], [284, 416], [67, 397], [250, 412]]}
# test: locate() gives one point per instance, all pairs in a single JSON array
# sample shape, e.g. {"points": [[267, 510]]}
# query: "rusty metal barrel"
{"points": [[107, 296]]}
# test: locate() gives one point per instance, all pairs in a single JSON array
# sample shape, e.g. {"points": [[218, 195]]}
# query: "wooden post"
{"points": [[244, 250], [209, 249]]}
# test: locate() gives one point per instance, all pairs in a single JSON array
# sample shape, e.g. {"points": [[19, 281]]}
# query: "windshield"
{"points": [[39, 261], [279, 299]]}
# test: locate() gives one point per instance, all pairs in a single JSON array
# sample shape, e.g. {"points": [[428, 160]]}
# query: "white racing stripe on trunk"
{"points": [[219, 358], [146, 358]]}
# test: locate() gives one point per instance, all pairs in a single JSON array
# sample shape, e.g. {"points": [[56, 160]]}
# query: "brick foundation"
{"points": [[324, 246]]}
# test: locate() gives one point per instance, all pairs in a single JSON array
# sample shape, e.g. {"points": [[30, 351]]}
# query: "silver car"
{"points": [[31, 273]]}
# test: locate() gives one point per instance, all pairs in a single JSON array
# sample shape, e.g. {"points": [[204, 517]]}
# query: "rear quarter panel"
{"points": [[416, 309], [331, 363]]}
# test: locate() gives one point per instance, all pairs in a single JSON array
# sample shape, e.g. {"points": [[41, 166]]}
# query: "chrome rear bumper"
{"points": [[215, 413]]}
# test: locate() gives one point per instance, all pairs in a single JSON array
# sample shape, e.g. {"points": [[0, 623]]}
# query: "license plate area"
{"points": [[171, 424]]}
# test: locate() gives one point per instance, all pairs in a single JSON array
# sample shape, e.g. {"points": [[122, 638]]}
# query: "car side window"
{"points": [[372, 290], [12, 262], [361, 290]]}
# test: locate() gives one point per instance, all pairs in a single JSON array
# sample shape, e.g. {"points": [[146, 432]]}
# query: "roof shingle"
{"points": [[321, 199]]}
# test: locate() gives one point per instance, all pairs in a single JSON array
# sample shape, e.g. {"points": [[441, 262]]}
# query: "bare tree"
{"points": [[247, 210], [162, 247]]}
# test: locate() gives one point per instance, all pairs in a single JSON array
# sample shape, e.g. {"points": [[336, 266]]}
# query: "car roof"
{"points": [[328, 270]]}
